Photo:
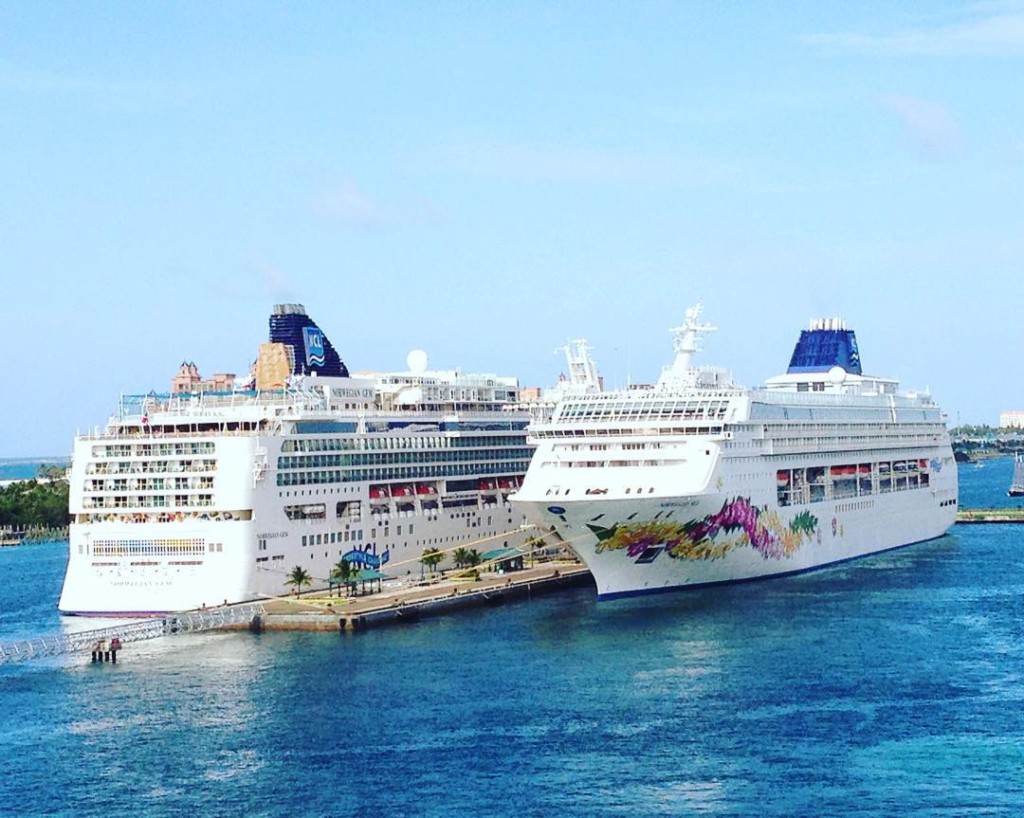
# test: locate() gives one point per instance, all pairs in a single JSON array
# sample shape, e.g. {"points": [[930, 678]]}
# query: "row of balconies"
{"points": [[148, 501]]}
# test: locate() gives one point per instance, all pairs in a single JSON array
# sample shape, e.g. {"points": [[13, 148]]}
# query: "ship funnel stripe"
{"points": [[818, 350], [311, 350]]}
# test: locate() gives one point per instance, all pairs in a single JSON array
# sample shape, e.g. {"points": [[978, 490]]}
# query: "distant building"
{"points": [[1011, 420], [187, 379]]}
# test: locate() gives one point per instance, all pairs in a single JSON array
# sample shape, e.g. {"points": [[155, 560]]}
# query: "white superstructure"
{"points": [[201, 498], [697, 480]]}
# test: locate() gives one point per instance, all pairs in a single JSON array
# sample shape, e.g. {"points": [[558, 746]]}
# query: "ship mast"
{"points": [[583, 377], [686, 342]]}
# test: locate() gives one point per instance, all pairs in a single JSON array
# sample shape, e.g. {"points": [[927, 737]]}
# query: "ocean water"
{"points": [[27, 468], [892, 685]]}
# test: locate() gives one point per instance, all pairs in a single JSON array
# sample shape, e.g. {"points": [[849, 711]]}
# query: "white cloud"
{"points": [[349, 205], [256, 280], [931, 129], [532, 163], [990, 31], [276, 283]]}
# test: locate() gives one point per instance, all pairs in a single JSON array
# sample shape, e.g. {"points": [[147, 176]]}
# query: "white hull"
{"points": [[230, 573], [840, 531], [149, 585], [696, 480]]}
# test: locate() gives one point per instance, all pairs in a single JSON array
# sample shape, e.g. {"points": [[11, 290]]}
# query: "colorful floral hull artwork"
{"points": [[740, 522]]}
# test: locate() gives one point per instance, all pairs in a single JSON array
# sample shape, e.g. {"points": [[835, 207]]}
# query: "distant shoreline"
{"points": [[57, 458]]}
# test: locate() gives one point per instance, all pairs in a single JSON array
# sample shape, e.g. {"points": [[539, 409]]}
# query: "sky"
{"points": [[488, 180]]}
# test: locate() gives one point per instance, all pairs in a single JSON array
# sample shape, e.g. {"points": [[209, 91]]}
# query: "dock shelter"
{"points": [[504, 560], [364, 576]]}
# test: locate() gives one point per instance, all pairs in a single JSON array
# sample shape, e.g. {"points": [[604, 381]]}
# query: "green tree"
{"points": [[533, 545], [297, 578], [31, 504], [341, 575], [51, 472], [431, 557], [460, 556]]}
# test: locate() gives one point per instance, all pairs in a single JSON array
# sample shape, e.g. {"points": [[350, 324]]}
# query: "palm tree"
{"points": [[341, 574], [474, 558], [533, 545], [431, 557], [297, 578], [461, 557]]}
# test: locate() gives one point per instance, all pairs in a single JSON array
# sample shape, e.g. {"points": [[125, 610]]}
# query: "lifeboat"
{"points": [[782, 477], [423, 488], [864, 468], [377, 492], [487, 485]]}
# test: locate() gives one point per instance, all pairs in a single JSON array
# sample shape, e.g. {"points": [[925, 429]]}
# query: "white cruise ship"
{"points": [[697, 480], [203, 497]]}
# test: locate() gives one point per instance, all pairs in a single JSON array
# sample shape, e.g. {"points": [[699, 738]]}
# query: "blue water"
{"points": [[984, 484], [27, 469], [888, 686]]}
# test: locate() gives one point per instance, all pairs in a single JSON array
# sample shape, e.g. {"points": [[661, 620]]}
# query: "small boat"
{"points": [[1017, 486]]}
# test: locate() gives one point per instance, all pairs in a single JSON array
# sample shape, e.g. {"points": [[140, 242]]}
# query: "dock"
{"points": [[407, 602], [990, 515], [99, 640], [397, 603]]}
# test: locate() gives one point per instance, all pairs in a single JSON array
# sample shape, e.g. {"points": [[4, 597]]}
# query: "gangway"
{"points": [[183, 622]]}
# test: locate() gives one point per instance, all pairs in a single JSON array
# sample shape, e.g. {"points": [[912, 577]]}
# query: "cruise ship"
{"points": [[206, 496], [697, 480]]}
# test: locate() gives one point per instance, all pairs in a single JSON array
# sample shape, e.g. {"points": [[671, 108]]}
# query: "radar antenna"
{"points": [[686, 338], [583, 375]]}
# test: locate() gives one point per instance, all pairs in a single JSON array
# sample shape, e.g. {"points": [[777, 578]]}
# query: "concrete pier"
{"points": [[990, 515], [410, 601]]}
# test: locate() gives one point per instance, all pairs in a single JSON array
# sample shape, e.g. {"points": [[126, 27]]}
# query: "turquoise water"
{"points": [[27, 469], [888, 686]]}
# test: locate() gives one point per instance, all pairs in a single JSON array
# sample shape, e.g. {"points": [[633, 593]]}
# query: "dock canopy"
{"points": [[365, 575], [504, 559]]}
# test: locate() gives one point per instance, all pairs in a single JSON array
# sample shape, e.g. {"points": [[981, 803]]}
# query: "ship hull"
{"points": [[103, 580], [698, 481], [126, 569], [635, 547], [245, 547]]}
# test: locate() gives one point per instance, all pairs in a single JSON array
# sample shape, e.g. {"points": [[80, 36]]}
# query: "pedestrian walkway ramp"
{"points": [[84, 641]]}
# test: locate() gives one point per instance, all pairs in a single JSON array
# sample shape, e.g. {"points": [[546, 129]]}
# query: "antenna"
{"points": [[686, 342]]}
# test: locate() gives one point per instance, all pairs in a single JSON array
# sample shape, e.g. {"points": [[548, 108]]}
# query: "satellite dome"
{"points": [[416, 361]]}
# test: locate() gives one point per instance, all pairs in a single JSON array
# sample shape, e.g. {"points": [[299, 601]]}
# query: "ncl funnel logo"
{"points": [[314, 346]]}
